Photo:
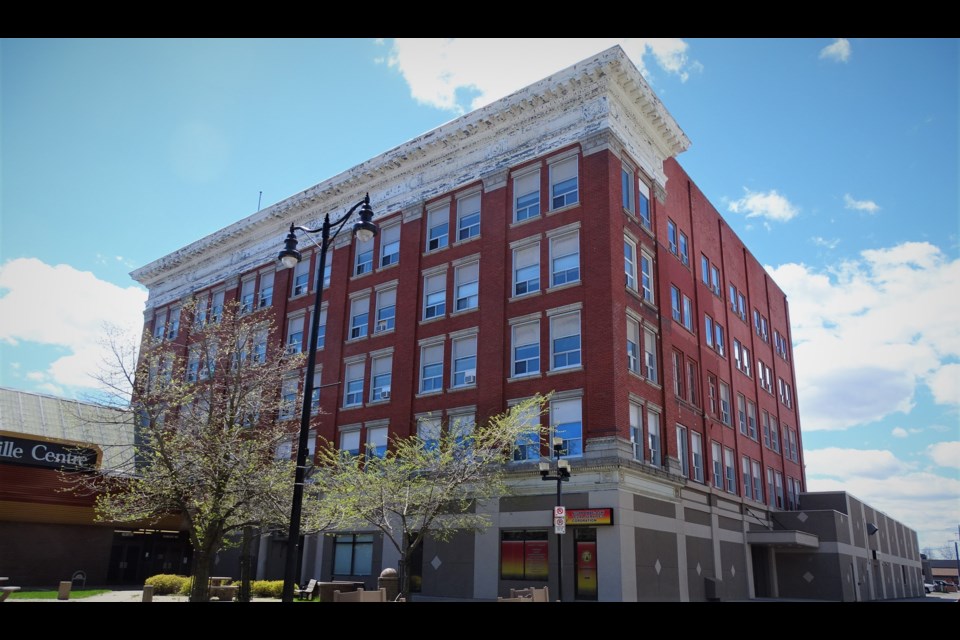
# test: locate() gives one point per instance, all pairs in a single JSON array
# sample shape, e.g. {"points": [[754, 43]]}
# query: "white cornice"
{"points": [[605, 92]]}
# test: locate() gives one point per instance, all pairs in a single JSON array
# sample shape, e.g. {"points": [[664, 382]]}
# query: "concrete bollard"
{"points": [[391, 582], [64, 592], [147, 593]]}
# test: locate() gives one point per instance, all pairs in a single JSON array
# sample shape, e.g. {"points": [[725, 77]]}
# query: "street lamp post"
{"points": [[562, 475], [364, 230]]}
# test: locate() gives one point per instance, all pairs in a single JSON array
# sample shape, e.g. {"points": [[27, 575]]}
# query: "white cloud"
{"points": [[838, 51], [924, 501], [945, 454], [860, 205], [899, 432], [860, 345], [945, 384], [823, 242], [66, 308], [770, 205], [444, 72]]}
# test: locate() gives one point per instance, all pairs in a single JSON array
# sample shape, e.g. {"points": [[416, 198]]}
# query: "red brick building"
{"points": [[547, 242]]}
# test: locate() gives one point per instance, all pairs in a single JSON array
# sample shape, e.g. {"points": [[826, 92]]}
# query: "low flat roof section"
{"points": [[787, 539]]}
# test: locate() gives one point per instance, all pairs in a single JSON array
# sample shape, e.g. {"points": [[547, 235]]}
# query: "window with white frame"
{"points": [[764, 376], [390, 245], [696, 451], [295, 335], [350, 442], [322, 328], [428, 430], [650, 368], [464, 354], [708, 330], [677, 359], [771, 497], [526, 269], [386, 310], [718, 337], [216, 307], [363, 260], [288, 398], [435, 296], [643, 203], [209, 365], [260, 345], [765, 427], [705, 269], [266, 291], [675, 304], [687, 313], [200, 312], [672, 236], [633, 345], [377, 442], [774, 434], [563, 183], [246, 295], [751, 419], [747, 482], [716, 457], [742, 413], [301, 278], [712, 394], [684, 249], [653, 436], [467, 277], [794, 451], [315, 393], [528, 443], [468, 217], [327, 269], [431, 368], [757, 481], [353, 390], [626, 188], [381, 372], [565, 340], [438, 228], [785, 392], [565, 259], [173, 324], [724, 403], [636, 430], [683, 451], [730, 470], [526, 349], [778, 484], [566, 422], [780, 345], [359, 317], [461, 426], [526, 194], [193, 365], [630, 262], [715, 279], [793, 493], [646, 276], [693, 383]]}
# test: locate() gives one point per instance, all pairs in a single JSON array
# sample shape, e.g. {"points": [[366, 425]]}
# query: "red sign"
{"points": [[590, 517]]}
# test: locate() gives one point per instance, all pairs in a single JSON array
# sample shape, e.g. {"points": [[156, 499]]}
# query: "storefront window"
{"points": [[523, 555], [353, 554]]}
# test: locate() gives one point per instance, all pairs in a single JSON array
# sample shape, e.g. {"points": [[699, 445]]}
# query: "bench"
{"points": [[535, 594], [380, 595], [224, 592], [307, 592], [6, 591]]}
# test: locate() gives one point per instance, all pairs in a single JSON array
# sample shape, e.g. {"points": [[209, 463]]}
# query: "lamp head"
{"points": [[365, 229], [289, 257], [544, 468]]}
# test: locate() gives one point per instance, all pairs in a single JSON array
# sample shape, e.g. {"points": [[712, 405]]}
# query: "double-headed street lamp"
{"points": [[562, 475], [364, 230]]}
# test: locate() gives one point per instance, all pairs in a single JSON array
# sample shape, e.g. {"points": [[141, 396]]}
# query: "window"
{"points": [[565, 340], [523, 555], [327, 269], [381, 369], [760, 325], [778, 483], [377, 442], [712, 394], [757, 481], [386, 310], [715, 279], [246, 296], [566, 421], [792, 435], [693, 382], [528, 443], [468, 217], [209, 362], [526, 270], [678, 389], [682, 451], [718, 337], [636, 430], [737, 303], [705, 269], [301, 277], [792, 493], [173, 325], [650, 356], [461, 427], [780, 344], [353, 392], [216, 307], [646, 276], [687, 313], [431, 368], [742, 304], [526, 192], [742, 413], [751, 419], [675, 303], [295, 335], [200, 313], [363, 262], [266, 291], [785, 392], [630, 263], [435, 296], [359, 317], [526, 349], [428, 430], [696, 449], [626, 189], [724, 403], [193, 365], [438, 228], [464, 361], [684, 254], [260, 346], [390, 245], [774, 434], [747, 483], [771, 499], [672, 236], [764, 376], [643, 202], [741, 356], [716, 457], [288, 398], [653, 436], [730, 470], [708, 330], [350, 442], [353, 554], [468, 286], [633, 345], [765, 427], [563, 183], [322, 328], [315, 393], [565, 258]]}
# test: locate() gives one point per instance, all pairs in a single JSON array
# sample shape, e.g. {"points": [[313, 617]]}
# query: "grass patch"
{"points": [[51, 594]]}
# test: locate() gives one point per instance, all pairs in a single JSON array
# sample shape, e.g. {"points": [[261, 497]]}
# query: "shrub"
{"points": [[165, 583], [266, 588], [186, 586]]}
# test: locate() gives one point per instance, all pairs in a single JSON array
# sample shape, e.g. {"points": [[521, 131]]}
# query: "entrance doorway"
{"points": [[585, 539]]}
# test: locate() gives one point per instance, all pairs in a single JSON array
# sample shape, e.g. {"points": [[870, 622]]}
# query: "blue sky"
{"points": [[835, 160]]}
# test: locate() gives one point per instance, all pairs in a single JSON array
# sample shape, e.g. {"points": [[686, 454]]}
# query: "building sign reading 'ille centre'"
{"points": [[48, 454]]}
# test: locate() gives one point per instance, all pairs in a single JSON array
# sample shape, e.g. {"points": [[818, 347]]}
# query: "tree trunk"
{"points": [[245, 568], [200, 591], [405, 568]]}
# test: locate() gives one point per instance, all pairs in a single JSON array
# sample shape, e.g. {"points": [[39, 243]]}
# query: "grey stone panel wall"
{"points": [[733, 569], [810, 576], [655, 507], [453, 576], [658, 574], [699, 567], [696, 517]]}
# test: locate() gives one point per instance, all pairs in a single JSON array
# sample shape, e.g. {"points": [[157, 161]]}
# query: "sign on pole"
{"points": [[559, 520]]}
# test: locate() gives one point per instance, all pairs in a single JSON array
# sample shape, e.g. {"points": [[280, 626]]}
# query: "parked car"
{"points": [[929, 587]]}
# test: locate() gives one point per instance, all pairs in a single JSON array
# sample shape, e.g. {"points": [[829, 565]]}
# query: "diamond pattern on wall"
{"points": [[656, 567], [808, 577], [733, 571], [435, 563], [699, 570], [803, 517]]}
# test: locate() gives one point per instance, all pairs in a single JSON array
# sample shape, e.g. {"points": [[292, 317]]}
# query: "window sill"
{"points": [[353, 340], [464, 387], [352, 406], [428, 394], [462, 312], [529, 376], [375, 403], [565, 285], [520, 223], [383, 332], [653, 383], [386, 267], [360, 276], [465, 241], [526, 296], [430, 252], [567, 207], [556, 372], [432, 320], [635, 374], [651, 305]]}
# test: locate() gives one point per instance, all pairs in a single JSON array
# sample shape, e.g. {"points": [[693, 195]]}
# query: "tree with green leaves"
{"points": [[206, 407], [423, 485]]}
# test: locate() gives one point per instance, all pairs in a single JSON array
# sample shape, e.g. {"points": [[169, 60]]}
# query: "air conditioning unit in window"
{"points": [[470, 377], [385, 393], [381, 326]]}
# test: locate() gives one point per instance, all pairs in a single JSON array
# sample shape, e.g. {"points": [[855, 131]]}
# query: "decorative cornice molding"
{"points": [[494, 180]]}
